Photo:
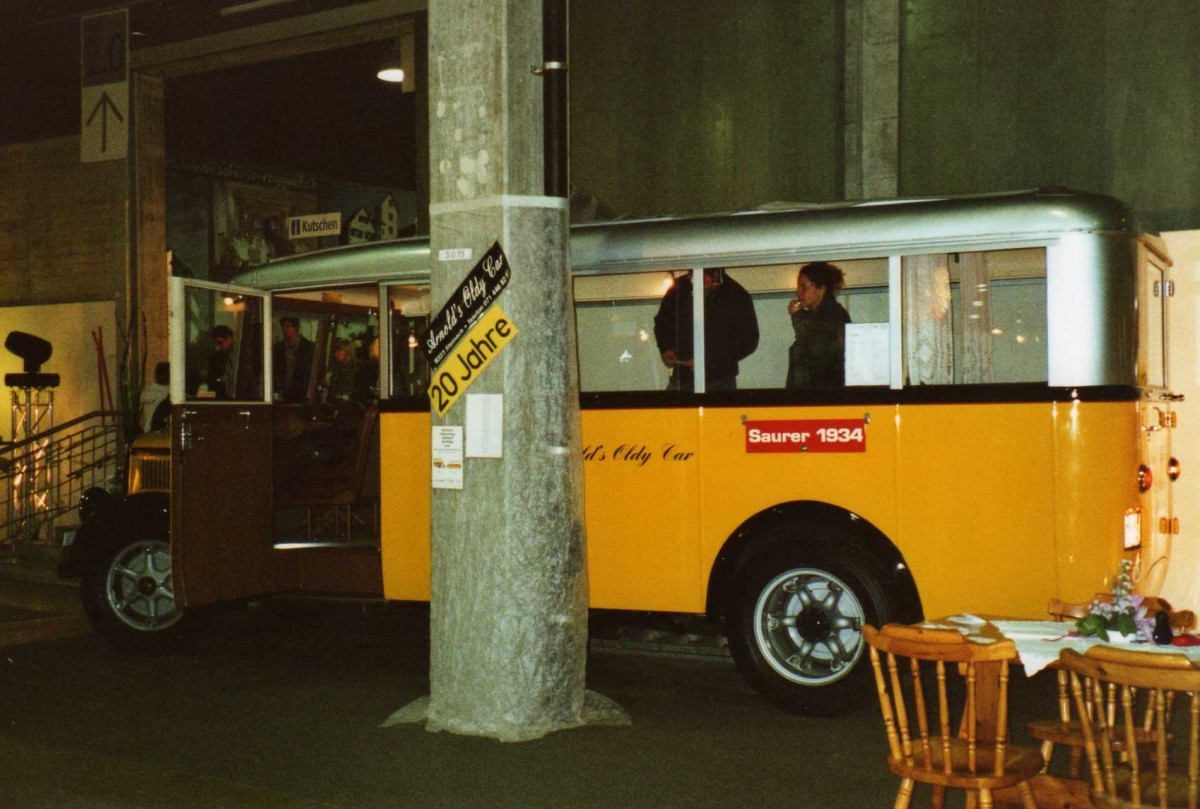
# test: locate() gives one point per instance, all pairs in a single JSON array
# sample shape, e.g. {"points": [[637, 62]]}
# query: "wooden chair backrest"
{"points": [[910, 662], [1149, 689]]}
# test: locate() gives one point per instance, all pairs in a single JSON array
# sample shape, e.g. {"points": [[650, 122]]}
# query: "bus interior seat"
{"points": [[340, 487]]}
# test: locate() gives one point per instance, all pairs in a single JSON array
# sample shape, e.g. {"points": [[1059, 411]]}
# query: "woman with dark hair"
{"points": [[817, 358]]}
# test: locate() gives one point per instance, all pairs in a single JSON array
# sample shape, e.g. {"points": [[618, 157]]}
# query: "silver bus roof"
{"points": [[764, 236]]}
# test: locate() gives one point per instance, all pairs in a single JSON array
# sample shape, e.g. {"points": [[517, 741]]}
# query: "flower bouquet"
{"points": [[1123, 614]]}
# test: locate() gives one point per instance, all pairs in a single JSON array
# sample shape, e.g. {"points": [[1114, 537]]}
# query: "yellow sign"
{"points": [[473, 354]]}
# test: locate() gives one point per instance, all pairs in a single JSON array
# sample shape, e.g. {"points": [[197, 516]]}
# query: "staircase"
{"points": [[42, 477]]}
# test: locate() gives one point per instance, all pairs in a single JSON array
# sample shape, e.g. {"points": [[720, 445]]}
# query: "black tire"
{"points": [[795, 625], [128, 596]]}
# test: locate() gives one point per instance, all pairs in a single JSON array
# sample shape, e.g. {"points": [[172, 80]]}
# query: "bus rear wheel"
{"points": [[129, 597], [796, 627]]}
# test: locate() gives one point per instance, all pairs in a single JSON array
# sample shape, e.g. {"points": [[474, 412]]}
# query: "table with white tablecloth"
{"points": [[1039, 642]]}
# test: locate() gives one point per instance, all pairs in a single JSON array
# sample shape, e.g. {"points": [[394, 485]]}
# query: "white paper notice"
{"points": [[867, 359], [485, 425], [447, 457]]}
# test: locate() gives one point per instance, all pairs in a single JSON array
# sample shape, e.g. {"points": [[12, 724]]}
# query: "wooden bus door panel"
{"points": [[221, 442], [221, 502]]}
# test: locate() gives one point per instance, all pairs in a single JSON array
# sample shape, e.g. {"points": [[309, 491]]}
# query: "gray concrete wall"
{"points": [[1101, 96], [62, 225], [679, 106]]}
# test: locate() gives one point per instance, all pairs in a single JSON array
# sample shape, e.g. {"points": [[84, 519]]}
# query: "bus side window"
{"points": [[614, 323], [223, 358], [408, 315], [1152, 336], [863, 354], [975, 318]]}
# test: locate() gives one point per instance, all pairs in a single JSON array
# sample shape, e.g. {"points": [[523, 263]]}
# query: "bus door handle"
{"points": [[245, 414], [187, 432]]}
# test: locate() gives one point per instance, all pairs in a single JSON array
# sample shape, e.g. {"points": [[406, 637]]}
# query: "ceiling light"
{"points": [[390, 69]]}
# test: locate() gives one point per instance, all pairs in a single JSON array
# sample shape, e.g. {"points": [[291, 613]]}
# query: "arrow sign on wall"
{"points": [[104, 76], [102, 107]]}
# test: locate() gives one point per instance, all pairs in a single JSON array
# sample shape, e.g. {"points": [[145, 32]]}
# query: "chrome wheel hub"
{"points": [[808, 626], [139, 589]]}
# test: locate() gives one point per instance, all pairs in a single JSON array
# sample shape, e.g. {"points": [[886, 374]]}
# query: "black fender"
{"points": [[107, 518], [751, 536]]}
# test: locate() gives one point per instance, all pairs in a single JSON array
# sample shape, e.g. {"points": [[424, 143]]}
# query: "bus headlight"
{"points": [[1173, 469], [1145, 478], [93, 503]]}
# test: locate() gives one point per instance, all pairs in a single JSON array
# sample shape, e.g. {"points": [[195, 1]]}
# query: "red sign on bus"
{"points": [[807, 435]]}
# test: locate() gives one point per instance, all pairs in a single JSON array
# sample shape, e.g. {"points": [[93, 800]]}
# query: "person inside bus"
{"points": [[151, 403], [293, 362], [342, 371], [730, 331], [817, 358], [220, 362], [366, 378]]}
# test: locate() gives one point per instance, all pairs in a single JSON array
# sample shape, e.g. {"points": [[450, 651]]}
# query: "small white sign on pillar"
{"points": [[485, 425], [447, 457]]}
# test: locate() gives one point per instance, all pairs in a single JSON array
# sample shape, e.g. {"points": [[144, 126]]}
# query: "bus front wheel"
{"points": [[128, 595], [796, 623]]}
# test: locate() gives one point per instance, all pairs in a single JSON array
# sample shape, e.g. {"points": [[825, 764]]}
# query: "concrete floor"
{"points": [[280, 706]]}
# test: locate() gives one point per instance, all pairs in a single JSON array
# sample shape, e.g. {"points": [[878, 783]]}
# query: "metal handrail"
{"points": [[105, 415], [42, 476]]}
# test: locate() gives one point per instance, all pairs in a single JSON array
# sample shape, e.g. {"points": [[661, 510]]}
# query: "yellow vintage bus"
{"points": [[998, 432]]}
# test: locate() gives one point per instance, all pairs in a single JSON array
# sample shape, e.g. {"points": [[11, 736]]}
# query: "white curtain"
{"points": [[975, 349], [928, 320]]}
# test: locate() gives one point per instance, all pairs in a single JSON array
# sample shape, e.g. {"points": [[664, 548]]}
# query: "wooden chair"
{"points": [[1149, 689], [925, 742], [1064, 730]]}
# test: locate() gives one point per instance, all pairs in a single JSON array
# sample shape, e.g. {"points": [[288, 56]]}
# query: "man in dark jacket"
{"points": [[220, 363], [293, 362], [730, 331]]}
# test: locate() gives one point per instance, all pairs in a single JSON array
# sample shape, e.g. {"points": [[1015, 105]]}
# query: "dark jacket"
{"points": [[296, 388], [817, 359], [220, 380], [730, 329]]}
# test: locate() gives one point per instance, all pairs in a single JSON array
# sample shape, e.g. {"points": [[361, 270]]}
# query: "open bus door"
{"points": [[221, 442]]}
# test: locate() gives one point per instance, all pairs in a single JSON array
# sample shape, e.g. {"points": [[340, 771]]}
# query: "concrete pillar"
{"points": [[872, 99], [509, 574], [148, 287]]}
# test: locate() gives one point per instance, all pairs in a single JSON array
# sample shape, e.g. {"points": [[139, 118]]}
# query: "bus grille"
{"points": [[149, 473]]}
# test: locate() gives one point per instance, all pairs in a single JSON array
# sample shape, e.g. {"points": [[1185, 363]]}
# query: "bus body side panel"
{"points": [[404, 492], [976, 503], [642, 508], [641, 473], [738, 483], [1095, 477]]}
